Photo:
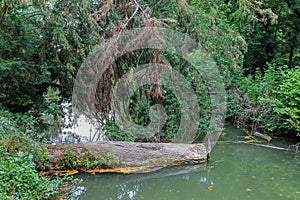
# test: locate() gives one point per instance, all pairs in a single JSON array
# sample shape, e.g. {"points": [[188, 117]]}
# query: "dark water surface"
{"points": [[235, 171]]}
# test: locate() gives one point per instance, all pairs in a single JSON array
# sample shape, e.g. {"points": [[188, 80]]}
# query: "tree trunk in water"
{"points": [[122, 157]]}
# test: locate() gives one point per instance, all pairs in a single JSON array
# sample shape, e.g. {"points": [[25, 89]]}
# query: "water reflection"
{"points": [[79, 190], [128, 192], [130, 187]]}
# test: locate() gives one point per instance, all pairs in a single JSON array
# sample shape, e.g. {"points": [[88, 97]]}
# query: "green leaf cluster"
{"points": [[275, 99], [20, 179], [287, 101]]}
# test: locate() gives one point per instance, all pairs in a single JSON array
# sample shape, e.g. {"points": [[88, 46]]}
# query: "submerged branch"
{"points": [[256, 144]]}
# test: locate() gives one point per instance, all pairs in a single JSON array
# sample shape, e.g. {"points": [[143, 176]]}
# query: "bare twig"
{"points": [[134, 13]]}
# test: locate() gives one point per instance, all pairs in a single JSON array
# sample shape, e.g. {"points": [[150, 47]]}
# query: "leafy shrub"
{"points": [[20, 158], [16, 132], [20, 179], [287, 102], [271, 101]]}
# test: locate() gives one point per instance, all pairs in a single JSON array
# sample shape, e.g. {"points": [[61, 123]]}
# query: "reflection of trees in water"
{"points": [[130, 188], [134, 186], [128, 191], [204, 179]]}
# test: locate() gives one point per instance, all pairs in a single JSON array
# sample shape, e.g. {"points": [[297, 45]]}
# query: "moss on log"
{"points": [[122, 157]]}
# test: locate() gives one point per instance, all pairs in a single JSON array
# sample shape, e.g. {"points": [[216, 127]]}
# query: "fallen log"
{"points": [[122, 157]]}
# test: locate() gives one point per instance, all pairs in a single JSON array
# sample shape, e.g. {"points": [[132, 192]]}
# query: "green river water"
{"points": [[235, 171]]}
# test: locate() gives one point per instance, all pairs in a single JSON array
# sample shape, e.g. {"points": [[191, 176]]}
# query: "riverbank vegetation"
{"points": [[21, 158], [255, 45]]}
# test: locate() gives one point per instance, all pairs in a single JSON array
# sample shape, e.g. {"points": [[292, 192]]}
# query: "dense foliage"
{"points": [[20, 179], [255, 45], [270, 101], [45, 42], [20, 160]]}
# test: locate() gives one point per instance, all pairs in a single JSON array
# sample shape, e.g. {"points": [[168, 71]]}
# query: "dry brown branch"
{"points": [[131, 10]]}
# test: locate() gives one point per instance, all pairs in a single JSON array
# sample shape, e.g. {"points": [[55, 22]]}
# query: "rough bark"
{"points": [[123, 157]]}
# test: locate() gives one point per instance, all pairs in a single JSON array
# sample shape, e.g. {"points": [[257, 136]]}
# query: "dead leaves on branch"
{"points": [[132, 14]]}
